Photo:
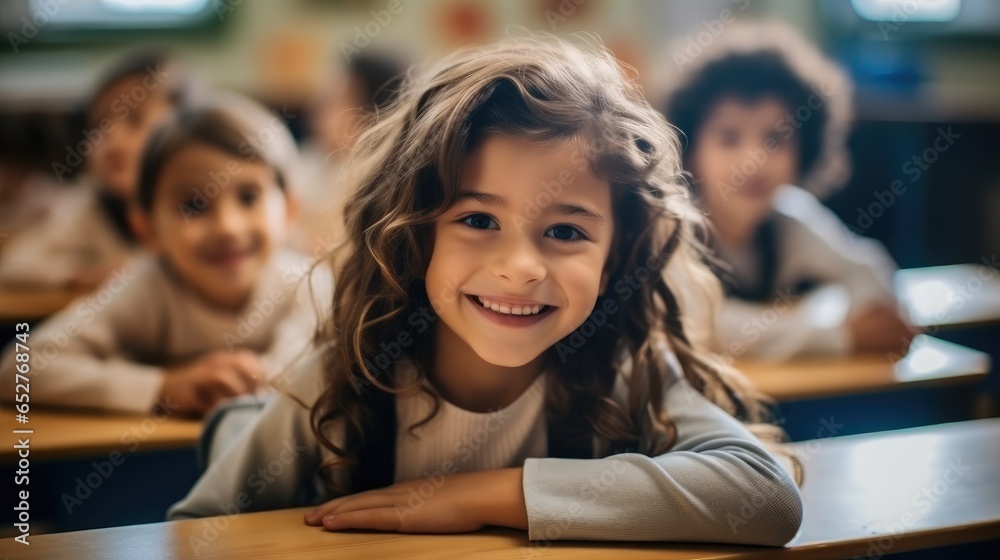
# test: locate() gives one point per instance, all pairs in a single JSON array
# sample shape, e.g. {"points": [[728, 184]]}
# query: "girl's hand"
{"points": [[454, 504], [194, 388], [880, 328]]}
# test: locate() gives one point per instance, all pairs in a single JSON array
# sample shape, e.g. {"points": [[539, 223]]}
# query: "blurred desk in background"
{"points": [[25, 305], [93, 469], [857, 495], [954, 296], [931, 361], [66, 434], [936, 382]]}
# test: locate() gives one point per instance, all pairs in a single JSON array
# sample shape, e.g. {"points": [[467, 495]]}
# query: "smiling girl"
{"points": [[507, 205]]}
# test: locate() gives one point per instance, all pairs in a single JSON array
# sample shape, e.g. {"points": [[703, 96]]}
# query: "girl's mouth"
{"points": [[511, 314], [230, 257]]}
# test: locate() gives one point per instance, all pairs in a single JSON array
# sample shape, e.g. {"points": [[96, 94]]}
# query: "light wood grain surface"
{"points": [[955, 296], [872, 494], [61, 434], [930, 361]]}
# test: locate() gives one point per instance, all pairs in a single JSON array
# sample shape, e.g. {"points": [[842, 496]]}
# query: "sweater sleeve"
{"points": [[40, 257], [786, 327], [266, 467], [831, 252], [81, 357], [74, 238], [273, 462], [855, 272], [717, 484]]}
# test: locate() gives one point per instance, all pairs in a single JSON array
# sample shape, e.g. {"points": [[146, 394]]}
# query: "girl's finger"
{"points": [[315, 515], [379, 519], [250, 369], [368, 500], [371, 498]]}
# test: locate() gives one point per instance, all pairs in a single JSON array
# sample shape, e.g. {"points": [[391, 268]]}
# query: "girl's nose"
{"points": [[229, 220], [520, 262]]}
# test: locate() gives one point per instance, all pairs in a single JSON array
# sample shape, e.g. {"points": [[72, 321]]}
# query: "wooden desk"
{"points": [[930, 361], [857, 490], [964, 295], [18, 305], [62, 434], [890, 492]]}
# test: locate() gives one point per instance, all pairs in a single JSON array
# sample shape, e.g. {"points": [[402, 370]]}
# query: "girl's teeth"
{"points": [[507, 310]]}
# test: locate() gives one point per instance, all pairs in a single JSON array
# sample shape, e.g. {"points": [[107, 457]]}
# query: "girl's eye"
{"points": [[479, 221], [566, 233], [192, 207], [248, 197]]}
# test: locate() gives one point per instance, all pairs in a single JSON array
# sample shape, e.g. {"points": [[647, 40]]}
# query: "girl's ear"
{"points": [[140, 223]]}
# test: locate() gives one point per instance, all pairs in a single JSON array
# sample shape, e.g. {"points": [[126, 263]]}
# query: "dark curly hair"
{"points": [[754, 61]]}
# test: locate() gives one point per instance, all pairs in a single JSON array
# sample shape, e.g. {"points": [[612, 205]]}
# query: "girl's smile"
{"points": [[510, 312], [229, 258]]}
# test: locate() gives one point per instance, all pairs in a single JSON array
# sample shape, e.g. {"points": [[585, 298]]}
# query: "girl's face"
{"points": [[217, 218], [743, 153], [122, 118], [518, 262]]}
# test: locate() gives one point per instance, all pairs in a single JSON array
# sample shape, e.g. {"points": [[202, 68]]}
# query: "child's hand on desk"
{"points": [[194, 388], [459, 503], [880, 328]]}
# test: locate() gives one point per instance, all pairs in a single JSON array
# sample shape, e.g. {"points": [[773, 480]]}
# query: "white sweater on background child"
{"points": [[716, 484], [109, 349], [74, 237], [812, 244]]}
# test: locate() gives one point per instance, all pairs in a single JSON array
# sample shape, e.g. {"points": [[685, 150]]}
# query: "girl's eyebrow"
{"points": [[185, 188], [558, 209], [483, 198]]}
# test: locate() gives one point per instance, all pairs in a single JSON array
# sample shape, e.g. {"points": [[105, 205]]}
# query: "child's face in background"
{"points": [[125, 114], [218, 218], [534, 250], [744, 152], [339, 118]]}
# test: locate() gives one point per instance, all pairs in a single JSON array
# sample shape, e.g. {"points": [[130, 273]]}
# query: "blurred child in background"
{"points": [[214, 310], [363, 87], [762, 113], [87, 234]]}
